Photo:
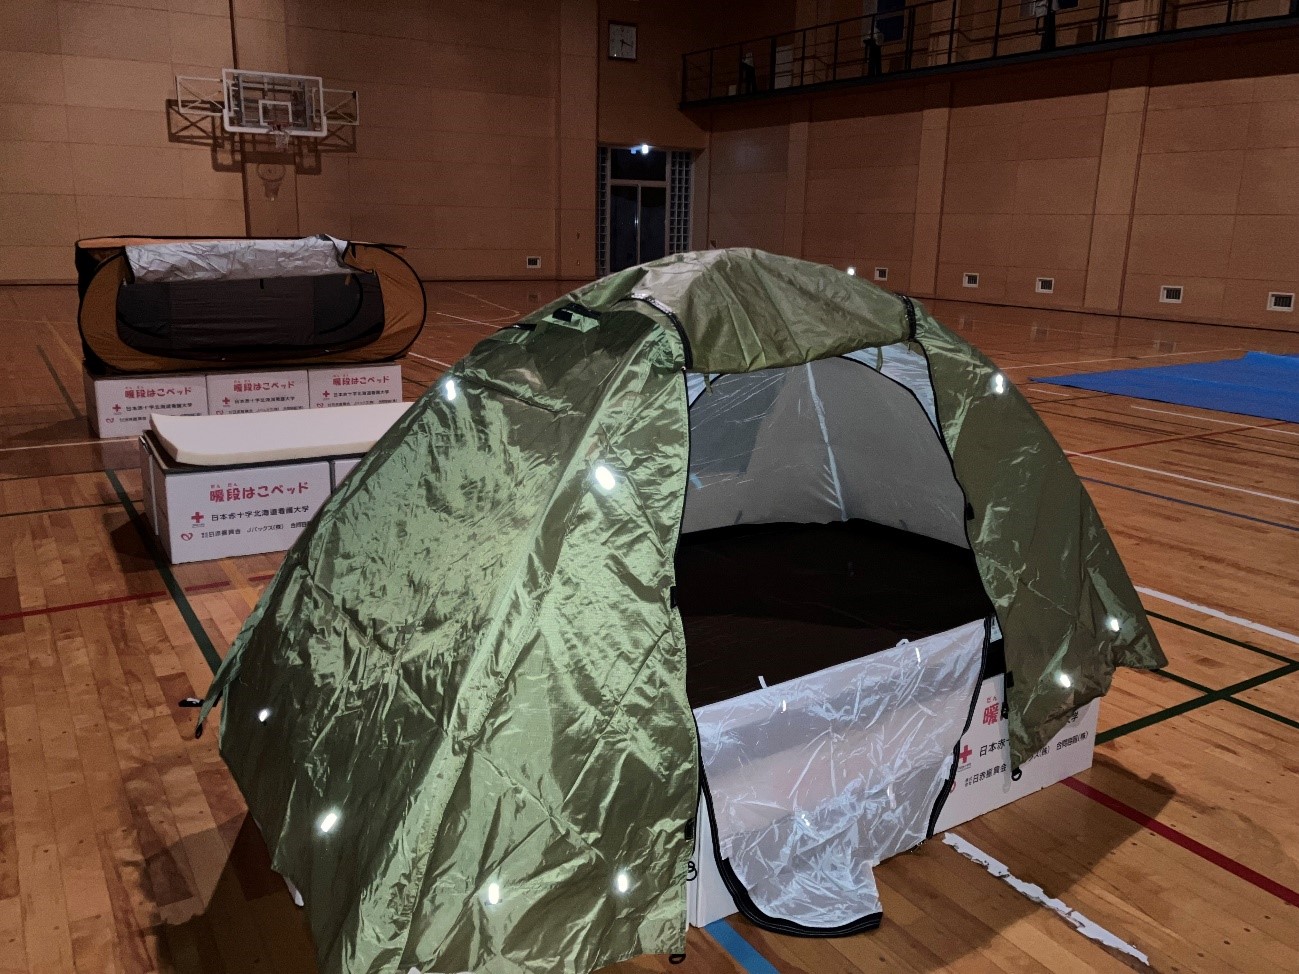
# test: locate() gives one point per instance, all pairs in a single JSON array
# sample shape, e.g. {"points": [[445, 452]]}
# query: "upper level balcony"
{"points": [[906, 39]]}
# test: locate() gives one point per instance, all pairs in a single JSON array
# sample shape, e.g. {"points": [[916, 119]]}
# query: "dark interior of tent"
{"points": [[247, 319], [823, 524], [778, 601]]}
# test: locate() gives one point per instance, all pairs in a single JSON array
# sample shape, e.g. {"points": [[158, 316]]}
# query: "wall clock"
{"points": [[622, 41]]}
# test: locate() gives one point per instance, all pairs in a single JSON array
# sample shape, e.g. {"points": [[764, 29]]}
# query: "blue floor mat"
{"points": [[1258, 384]]}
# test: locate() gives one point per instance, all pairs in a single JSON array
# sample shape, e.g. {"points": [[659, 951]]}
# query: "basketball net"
{"points": [[279, 137]]}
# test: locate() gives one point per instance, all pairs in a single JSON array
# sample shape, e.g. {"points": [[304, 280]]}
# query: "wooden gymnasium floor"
{"points": [[123, 842]]}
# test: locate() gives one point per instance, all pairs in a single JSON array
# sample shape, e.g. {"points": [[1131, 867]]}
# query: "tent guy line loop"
{"points": [[1088, 928]]}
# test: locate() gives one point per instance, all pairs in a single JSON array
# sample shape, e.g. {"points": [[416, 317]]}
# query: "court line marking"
{"points": [[63, 390], [1031, 891], [1195, 685], [1224, 695], [745, 955], [56, 510], [1180, 437], [1183, 624], [425, 358], [1177, 500], [1181, 476], [1281, 634], [174, 589], [478, 321], [1206, 419], [482, 300], [1208, 854], [111, 600], [1114, 358], [55, 446]]}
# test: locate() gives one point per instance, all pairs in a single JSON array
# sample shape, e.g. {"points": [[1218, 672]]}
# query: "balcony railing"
{"points": [[939, 34]]}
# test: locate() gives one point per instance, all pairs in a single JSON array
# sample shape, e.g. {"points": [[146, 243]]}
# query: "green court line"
{"points": [[76, 410], [1262, 711], [56, 510], [168, 579], [1279, 657], [1195, 703]]}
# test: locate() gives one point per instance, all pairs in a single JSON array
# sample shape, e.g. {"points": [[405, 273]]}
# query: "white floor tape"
{"points": [[1218, 614], [1084, 926]]}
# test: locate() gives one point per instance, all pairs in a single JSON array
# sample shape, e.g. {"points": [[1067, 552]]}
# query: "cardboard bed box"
{"points": [[202, 513], [982, 782], [119, 405]]}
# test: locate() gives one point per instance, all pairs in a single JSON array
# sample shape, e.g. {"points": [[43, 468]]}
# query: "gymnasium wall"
{"points": [[477, 145], [83, 131], [1112, 175]]}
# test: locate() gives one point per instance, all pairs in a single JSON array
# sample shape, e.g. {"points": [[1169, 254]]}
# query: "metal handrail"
{"points": [[936, 34]]}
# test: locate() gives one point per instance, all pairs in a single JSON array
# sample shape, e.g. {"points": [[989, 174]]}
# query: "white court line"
{"points": [[1281, 634], [1117, 358], [1180, 476], [467, 294], [1206, 419], [55, 446], [425, 358], [478, 321], [1047, 392], [1089, 929]]}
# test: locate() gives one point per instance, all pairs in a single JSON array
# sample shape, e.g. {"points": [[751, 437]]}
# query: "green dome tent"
{"points": [[459, 713]]}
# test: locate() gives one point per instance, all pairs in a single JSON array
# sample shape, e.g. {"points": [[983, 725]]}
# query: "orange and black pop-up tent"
{"points": [[168, 304]]}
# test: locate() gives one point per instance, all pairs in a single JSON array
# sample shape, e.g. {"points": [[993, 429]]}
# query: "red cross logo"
{"points": [[325, 393], [965, 754], [117, 407], [196, 517], [226, 401]]}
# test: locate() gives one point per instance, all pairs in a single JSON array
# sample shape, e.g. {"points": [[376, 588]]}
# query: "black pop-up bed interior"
{"points": [[166, 304]]}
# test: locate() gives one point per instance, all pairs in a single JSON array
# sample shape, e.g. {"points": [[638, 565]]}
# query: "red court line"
{"points": [[1237, 869], [114, 600]]}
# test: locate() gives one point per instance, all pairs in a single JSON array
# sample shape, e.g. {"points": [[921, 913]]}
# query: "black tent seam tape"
{"points": [[668, 313], [911, 317]]}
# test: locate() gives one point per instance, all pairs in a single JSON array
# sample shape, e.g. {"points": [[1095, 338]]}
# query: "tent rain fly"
{"points": [[473, 665]]}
